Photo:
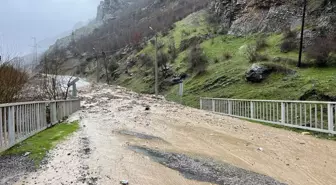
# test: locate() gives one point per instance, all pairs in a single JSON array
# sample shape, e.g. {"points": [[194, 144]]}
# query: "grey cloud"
{"points": [[22, 19]]}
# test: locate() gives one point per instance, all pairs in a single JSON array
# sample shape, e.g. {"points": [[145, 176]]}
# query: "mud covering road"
{"points": [[113, 120], [205, 170]]}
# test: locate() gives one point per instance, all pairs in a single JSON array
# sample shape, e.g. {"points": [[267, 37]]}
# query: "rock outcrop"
{"points": [[257, 73], [108, 8], [241, 17]]}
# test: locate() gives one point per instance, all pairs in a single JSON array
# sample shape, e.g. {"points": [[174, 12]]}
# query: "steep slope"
{"points": [[225, 77], [226, 32]]}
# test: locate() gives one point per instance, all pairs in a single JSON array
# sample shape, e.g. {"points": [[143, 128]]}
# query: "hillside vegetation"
{"points": [[219, 48], [228, 63]]}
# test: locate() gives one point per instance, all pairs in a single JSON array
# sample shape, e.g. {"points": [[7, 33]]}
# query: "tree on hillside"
{"points": [[197, 60]]}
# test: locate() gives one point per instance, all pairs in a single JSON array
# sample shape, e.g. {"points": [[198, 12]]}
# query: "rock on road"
{"points": [[114, 119]]}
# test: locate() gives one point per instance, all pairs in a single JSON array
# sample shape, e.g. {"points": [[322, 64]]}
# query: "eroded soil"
{"points": [[113, 119]]}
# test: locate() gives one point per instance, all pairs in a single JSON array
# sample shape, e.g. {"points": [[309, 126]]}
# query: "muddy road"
{"points": [[170, 144]]}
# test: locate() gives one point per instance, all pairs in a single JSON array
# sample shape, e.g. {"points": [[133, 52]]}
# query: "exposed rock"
{"points": [[242, 17], [108, 8], [257, 73]]}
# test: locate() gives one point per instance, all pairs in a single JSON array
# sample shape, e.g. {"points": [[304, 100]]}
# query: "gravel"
{"points": [[13, 167]]}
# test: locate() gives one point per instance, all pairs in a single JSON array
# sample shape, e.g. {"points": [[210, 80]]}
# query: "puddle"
{"points": [[140, 135], [206, 170]]}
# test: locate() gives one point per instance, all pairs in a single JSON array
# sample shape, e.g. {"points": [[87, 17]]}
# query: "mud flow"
{"points": [[206, 170]]}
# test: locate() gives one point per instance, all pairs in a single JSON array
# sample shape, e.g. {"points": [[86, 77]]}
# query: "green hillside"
{"points": [[225, 74]]}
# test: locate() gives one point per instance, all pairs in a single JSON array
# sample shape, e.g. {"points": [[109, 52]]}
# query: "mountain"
{"points": [[219, 48]]}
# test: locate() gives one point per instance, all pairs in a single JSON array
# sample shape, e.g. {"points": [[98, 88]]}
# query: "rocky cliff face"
{"points": [[242, 17], [108, 9]]}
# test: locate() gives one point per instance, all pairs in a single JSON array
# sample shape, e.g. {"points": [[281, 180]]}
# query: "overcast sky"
{"points": [[20, 20]]}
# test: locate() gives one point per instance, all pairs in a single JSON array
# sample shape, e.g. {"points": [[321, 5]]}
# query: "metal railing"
{"points": [[308, 115], [18, 121]]}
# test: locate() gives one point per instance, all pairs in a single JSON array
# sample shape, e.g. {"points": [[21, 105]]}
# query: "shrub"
{"points": [[113, 67], [289, 42], [197, 60], [289, 34], [145, 60], [261, 43], [227, 56], [193, 41], [321, 50], [287, 46], [285, 60], [278, 68], [162, 59], [172, 51], [12, 80], [251, 53], [261, 57], [212, 41], [185, 33]]}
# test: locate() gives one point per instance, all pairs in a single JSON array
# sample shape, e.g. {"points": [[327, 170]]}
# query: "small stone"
{"points": [[69, 153], [260, 149], [305, 133], [26, 154], [124, 182], [147, 108]]}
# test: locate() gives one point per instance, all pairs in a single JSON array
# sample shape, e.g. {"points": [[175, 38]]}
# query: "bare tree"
{"points": [[13, 77], [53, 85]]}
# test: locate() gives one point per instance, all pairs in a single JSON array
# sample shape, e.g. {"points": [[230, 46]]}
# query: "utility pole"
{"points": [[156, 64], [156, 68], [302, 31]]}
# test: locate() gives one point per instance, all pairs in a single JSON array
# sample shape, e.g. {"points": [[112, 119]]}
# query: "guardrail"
{"points": [[18, 121], [308, 115]]}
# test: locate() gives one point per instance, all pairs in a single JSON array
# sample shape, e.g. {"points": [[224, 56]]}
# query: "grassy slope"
{"points": [[226, 78], [39, 144]]}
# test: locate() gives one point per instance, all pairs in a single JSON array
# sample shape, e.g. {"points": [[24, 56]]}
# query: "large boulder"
{"points": [[257, 73]]}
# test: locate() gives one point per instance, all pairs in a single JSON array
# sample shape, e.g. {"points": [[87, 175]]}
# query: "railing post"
{"points": [[230, 107], [283, 112], [11, 127], [1, 140], [330, 118], [252, 109], [201, 105], [64, 110], [213, 105], [54, 113]]}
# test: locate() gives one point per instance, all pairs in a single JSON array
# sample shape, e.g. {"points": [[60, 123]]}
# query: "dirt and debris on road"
{"points": [[12, 168], [206, 170], [101, 154]]}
